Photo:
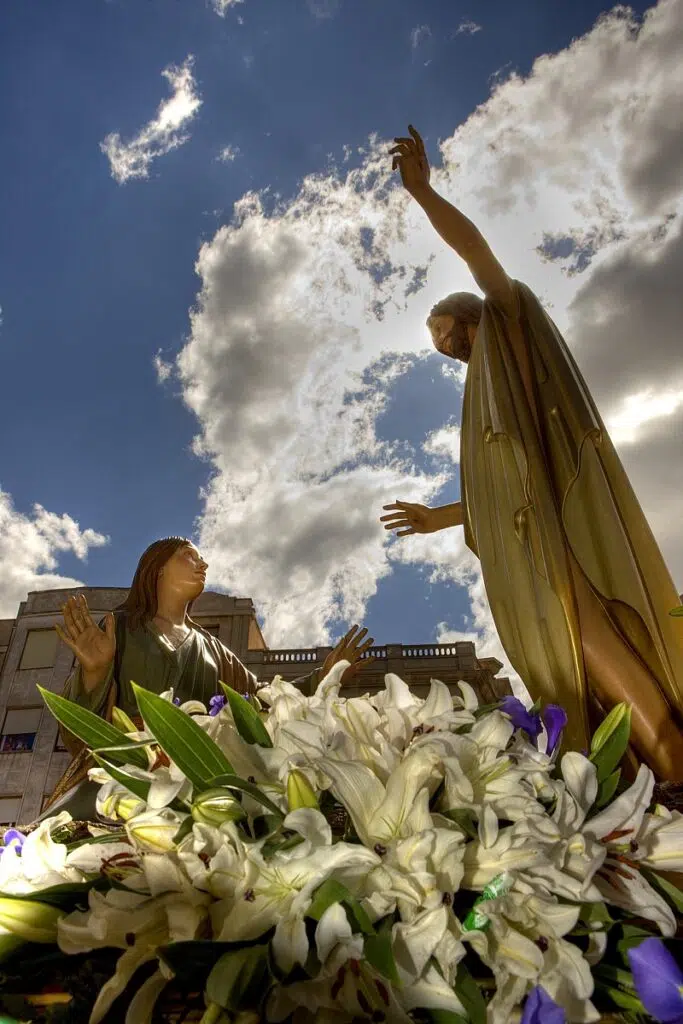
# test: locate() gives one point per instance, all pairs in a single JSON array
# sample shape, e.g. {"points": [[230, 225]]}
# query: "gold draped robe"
{"points": [[539, 481]]}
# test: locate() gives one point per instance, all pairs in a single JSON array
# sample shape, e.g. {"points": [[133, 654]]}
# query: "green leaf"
{"points": [[247, 719], [121, 720], [618, 985], [632, 935], [594, 917], [465, 820], [92, 729], [185, 742], [677, 612], [610, 740], [239, 981], [192, 961], [184, 829], [138, 787], [64, 896], [230, 781], [378, 952], [469, 994], [673, 894], [331, 892], [608, 788]]}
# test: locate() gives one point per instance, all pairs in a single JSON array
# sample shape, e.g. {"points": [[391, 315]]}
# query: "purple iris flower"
{"points": [[12, 837], [658, 980], [541, 1009], [553, 717], [176, 701], [217, 703]]}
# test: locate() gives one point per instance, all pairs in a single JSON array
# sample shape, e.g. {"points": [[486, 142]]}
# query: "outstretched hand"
{"points": [[410, 157], [93, 646], [351, 648], [409, 517]]}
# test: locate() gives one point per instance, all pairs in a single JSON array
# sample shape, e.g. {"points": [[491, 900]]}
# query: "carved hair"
{"points": [[141, 604], [466, 308]]}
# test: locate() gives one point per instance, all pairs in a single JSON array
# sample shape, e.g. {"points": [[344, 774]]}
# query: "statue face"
{"points": [[441, 330], [185, 572]]}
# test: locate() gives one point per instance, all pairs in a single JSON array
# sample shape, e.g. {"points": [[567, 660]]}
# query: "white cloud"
{"points": [[444, 443], [468, 27], [304, 319], [163, 368], [625, 425], [29, 551], [419, 35], [228, 154], [221, 7], [162, 134]]}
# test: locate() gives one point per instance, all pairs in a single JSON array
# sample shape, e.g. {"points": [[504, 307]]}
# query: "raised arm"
{"points": [[455, 228]]}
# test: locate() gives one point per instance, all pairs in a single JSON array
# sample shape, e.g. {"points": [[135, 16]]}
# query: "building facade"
{"points": [[31, 654]]}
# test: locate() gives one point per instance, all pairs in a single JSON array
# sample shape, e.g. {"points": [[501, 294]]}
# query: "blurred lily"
{"points": [[29, 920], [658, 980], [40, 862]]}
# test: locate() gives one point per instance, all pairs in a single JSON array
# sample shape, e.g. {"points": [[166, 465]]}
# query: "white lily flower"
{"points": [[41, 863], [381, 814], [618, 828], [279, 891], [660, 841], [335, 940]]}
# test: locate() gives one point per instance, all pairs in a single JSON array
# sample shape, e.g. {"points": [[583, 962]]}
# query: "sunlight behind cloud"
{"points": [[637, 410], [161, 135]]}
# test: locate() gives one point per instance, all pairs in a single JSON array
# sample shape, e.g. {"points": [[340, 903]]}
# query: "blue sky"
{"points": [[98, 277]]}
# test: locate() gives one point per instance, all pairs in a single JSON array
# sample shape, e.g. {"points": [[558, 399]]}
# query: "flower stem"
{"points": [[214, 1015]]}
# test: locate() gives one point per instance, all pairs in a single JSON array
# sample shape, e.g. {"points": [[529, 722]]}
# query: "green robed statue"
{"points": [[152, 640], [577, 585]]}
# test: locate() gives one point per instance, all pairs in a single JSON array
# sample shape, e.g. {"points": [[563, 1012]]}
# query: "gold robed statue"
{"points": [[152, 640], [577, 585]]}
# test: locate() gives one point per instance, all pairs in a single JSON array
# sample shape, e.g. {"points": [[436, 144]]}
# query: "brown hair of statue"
{"points": [[141, 604]]}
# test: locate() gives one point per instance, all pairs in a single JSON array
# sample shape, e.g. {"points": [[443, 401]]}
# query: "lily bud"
{"points": [[129, 806], [300, 793], [215, 806], [29, 920], [154, 831], [122, 721]]}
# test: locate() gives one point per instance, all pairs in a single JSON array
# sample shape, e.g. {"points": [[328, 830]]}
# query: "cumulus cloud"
{"points": [[165, 132], [29, 551], [444, 443], [307, 313]]}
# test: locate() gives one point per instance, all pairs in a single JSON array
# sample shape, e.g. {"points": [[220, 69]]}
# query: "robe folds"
{"points": [[541, 480]]}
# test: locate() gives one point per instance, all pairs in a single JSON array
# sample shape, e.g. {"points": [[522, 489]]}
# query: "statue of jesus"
{"points": [[577, 585]]}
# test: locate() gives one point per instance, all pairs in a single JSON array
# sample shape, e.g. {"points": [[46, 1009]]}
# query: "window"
{"points": [[40, 649], [19, 730], [9, 809]]}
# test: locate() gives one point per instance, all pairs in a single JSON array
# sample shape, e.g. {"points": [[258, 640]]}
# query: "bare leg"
{"points": [[618, 674]]}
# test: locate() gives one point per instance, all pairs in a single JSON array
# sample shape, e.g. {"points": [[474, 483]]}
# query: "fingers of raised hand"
{"points": [[406, 532], [417, 137], [70, 622], [84, 610], [403, 149], [64, 638]]}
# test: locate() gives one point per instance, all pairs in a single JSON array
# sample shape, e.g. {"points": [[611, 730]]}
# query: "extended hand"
{"points": [[94, 647], [409, 517], [350, 649], [411, 159]]}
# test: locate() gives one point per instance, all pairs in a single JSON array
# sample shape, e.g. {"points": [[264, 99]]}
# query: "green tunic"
{"points": [[192, 670]]}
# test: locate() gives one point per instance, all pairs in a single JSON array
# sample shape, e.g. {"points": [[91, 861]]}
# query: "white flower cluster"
{"points": [[447, 803]]}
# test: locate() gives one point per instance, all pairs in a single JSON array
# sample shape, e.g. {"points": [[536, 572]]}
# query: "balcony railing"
{"points": [[309, 655]]}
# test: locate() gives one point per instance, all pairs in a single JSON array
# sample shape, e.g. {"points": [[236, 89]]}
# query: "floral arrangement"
{"points": [[376, 858]]}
